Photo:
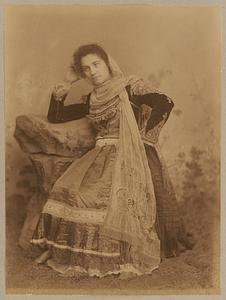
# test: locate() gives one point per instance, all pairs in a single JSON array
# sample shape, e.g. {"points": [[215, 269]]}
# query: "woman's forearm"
{"points": [[161, 107], [59, 113]]}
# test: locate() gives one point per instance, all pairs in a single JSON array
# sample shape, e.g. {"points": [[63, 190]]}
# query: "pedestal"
{"points": [[51, 149]]}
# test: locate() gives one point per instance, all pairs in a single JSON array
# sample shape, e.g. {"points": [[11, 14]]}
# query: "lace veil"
{"points": [[132, 209]]}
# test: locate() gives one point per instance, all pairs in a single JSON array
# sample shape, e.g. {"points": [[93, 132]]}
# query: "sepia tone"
{"points": [[178, 50]]}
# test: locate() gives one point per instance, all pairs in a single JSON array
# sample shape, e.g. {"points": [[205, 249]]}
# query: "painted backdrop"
{"points": [[178, 50]]}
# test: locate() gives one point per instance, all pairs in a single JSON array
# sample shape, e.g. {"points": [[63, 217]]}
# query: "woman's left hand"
{"points": [[138, 86]]}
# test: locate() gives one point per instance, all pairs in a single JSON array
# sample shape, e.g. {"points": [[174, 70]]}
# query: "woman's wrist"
{"points": [[61, 89]]}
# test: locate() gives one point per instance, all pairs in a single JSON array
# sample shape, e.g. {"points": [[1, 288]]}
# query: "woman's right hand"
{"points": [[71, 76], [62, 88]]}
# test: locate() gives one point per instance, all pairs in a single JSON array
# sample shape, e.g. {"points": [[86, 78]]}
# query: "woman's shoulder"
{"points": [[142, 91]]}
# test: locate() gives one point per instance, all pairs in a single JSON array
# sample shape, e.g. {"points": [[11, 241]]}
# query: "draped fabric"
{"points": [[132, 209]]}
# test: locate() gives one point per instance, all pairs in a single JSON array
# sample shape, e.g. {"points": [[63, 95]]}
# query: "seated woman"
{"points": [[106, 213]]}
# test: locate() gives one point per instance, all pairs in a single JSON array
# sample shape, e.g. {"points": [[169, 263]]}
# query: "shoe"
{"points": [[44, 257], [187, 241]]}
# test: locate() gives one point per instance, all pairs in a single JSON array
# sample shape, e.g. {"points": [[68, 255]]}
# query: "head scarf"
{"points": [[132, 209]]}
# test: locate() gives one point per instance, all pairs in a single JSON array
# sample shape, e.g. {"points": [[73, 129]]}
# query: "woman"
{"points": [[100, 217]]}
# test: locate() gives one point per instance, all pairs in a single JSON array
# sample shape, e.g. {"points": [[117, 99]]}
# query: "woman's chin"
{"points": [[98, 83]]}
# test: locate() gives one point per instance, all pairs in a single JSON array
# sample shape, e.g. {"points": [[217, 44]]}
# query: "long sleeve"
{"points": [[59, 113], [161, 106]]}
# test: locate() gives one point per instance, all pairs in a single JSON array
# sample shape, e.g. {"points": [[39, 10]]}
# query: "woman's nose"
{"points": [[92, 71]]}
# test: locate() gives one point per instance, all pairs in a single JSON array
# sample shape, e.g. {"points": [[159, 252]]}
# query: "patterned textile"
{"points": [[74, 238], [169, 223]]}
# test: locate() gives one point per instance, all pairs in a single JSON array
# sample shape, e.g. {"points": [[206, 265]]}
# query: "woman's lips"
{"points": [[95, 77]]}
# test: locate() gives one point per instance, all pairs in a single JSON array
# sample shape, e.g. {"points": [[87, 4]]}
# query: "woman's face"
{"points": [[95, 69]]}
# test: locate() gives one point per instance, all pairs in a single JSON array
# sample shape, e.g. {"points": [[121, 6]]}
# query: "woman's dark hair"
{"points": [[85, 50]]}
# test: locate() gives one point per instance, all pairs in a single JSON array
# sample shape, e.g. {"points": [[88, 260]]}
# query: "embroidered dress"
{"points": [[100, 215]]}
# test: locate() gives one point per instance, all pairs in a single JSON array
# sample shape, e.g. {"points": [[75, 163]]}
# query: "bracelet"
{"points": [[58, 98]]}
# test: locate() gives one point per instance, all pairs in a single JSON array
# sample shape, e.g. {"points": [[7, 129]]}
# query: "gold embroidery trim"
{"points": [[79, 250], [74, 214]]}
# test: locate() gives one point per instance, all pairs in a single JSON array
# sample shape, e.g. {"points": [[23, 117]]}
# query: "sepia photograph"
{"points": [[112, 149]]}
